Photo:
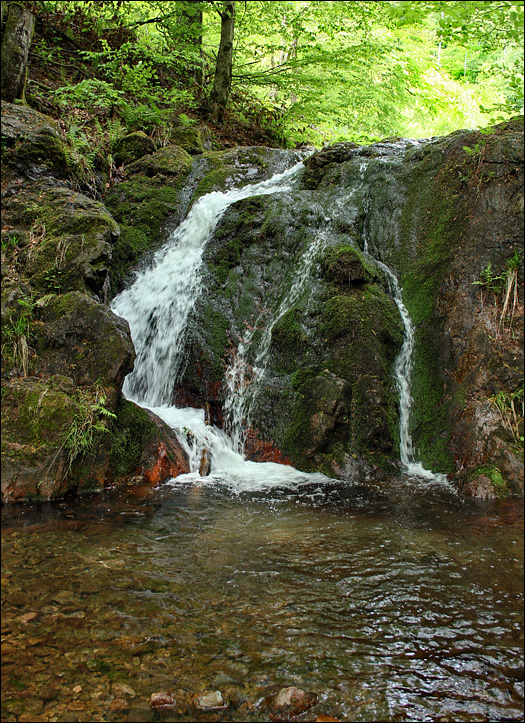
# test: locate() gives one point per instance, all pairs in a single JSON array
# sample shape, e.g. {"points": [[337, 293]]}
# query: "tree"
{"points": [[223, 70], [15, 51], [190, 20]]}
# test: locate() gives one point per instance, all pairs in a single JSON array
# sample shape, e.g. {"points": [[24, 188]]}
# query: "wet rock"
{"points": [[289, 703], [123, 689], [144, 448], [144, 204], [132, 147], [162, 701], [213, 700]]}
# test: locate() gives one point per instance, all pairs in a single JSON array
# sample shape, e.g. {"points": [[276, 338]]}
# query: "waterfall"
{"points": [[159, 302], [243, 380], [158, 305]]}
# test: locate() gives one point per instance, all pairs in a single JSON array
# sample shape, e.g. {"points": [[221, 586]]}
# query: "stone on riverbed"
{"points": [[162, 700], [212, 700], [289, 703]]}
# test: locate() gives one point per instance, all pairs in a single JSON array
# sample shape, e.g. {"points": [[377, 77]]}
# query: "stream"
{"points": [[391, 602], [394, 600]]}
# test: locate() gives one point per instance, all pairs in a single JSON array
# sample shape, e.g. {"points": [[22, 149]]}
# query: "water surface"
{"points": [[395, 601]]}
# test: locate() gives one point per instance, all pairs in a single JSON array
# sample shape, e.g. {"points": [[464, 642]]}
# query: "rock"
{"points": [[193, 140], [84, 340], [326, 719], [73, 247], [123, 689], [27, 617], [35, 146], [150, 197], [132, 147], [289, 703], [169, 161], [162, 701], [213, 700], [144, 448]]}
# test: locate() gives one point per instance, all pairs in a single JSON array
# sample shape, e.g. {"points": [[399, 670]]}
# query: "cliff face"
{"points": [[291, 287], [446, 217]]}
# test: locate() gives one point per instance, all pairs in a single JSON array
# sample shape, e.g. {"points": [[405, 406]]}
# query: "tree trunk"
{"points": [[223, 70], [190, 20], [15, 50]]}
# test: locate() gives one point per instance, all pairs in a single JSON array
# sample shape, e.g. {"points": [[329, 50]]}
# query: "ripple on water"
{"points": [[388, 603]]}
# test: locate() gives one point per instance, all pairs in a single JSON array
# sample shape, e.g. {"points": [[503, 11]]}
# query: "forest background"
{"points": [[274, 72]]}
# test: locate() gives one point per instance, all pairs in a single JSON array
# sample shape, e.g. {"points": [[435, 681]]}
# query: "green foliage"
{"points": [[511, 409], [89, 421], [16, 334], [504, 287]]}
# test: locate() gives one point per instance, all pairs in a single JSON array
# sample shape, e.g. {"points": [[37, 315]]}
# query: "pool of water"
{"points": [[395, 601]]}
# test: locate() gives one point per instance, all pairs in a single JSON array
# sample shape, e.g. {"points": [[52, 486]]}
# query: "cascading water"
{"points": [[158, 305], [242, 379]]}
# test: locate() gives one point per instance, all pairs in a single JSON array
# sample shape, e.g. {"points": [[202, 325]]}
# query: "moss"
{"points": [[499, 485], [346, 266], [142, 207], [433, 215], [132, 431]]}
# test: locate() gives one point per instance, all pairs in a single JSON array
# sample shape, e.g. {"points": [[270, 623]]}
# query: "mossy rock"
{"points": [[143, 206], [194, 140], [168, 161], [70, 237], [77, 335], [143, 447], [34, 142], [132, 432], [237, 168], [132, 147], [36, 416], [321, 418], [346, 266]]}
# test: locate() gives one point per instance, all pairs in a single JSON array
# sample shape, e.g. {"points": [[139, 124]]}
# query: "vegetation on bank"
{"points": [[274, 73]]}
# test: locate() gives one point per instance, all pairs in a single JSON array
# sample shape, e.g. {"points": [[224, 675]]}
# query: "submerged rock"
{"points": [[162, 701], [214, 700], [290, 703]]}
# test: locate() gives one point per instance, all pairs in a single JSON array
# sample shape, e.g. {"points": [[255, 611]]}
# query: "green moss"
{"points": [[302, 375], [132, 431], [433, 216], [501, 488], [346, 266]]}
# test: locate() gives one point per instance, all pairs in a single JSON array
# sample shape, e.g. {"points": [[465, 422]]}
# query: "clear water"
{"points": [[390, 602]]}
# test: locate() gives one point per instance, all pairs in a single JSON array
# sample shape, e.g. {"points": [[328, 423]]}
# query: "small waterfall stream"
{"points": [[157, 307]]}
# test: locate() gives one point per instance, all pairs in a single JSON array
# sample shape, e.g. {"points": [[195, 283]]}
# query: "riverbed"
{"points": [[391, 601]]}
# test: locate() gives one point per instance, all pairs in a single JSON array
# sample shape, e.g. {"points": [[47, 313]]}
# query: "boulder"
{"points": [[132, 147]]}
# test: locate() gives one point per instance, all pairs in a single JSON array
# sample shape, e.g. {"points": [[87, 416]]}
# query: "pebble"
{"points": [[211, 701], [162, 700], [123, 689], [289, 703]]}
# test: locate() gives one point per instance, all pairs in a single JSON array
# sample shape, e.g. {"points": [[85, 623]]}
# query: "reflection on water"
{"points": [[390, 603]]}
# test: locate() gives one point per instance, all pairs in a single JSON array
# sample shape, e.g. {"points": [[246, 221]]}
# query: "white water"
{"points": [[157, 307], [243, 380]]}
